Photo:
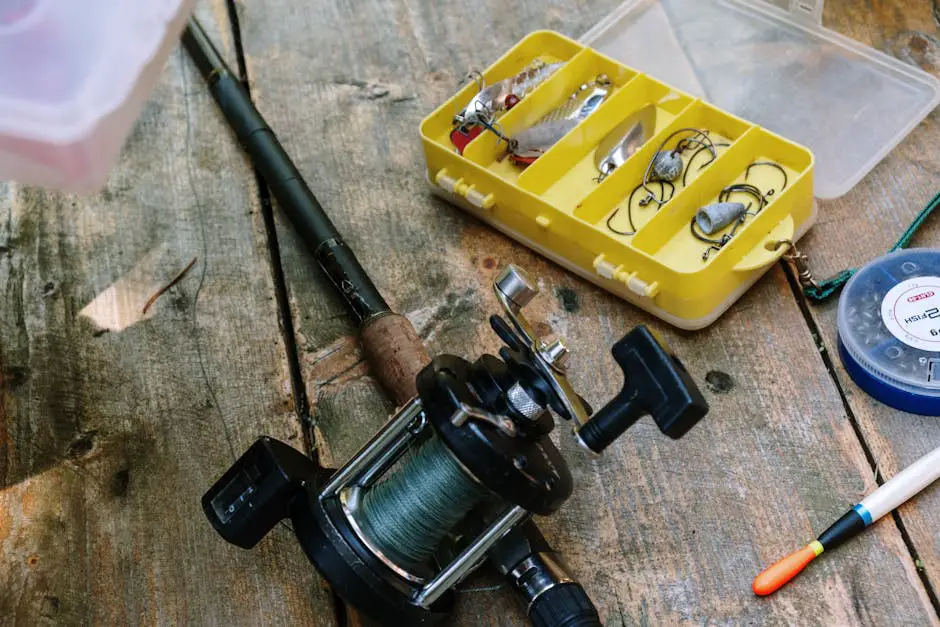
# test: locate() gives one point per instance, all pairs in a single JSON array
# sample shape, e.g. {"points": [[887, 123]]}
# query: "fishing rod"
{"points": [[391, 344], [393, 350]]}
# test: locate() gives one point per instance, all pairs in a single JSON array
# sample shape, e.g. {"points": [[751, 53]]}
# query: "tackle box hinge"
{"points": [[459, 187], [631, 279]]}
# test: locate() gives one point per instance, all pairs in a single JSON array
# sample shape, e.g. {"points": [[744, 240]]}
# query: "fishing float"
{"points": [[901, 487]]}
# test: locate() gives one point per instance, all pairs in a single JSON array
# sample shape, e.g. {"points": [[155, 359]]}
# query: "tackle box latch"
{"points": [[460, 187], [618, 273]]}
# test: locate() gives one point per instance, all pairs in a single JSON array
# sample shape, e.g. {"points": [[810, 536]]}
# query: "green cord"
{"points": [[407, 515], [824, 289]]}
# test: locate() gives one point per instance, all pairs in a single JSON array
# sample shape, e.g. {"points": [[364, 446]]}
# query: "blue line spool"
{"points": [[889, 330]]}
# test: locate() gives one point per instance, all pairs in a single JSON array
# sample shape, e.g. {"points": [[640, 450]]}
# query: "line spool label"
{"points": [[911, 312]]}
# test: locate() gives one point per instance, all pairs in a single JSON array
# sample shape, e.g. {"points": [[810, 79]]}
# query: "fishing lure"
{"points": [[492, 100], [624, 141], [530, 144]]}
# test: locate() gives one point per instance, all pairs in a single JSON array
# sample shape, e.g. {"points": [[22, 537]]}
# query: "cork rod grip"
{"points": [[395, 354]]}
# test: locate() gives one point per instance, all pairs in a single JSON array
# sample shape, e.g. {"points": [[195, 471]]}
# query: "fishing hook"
{"points": [[688, 167], [746, 188], [771, 164], [716, 245], [610, 219]]}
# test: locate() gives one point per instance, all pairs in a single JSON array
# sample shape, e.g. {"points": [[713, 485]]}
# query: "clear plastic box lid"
{"points": [[65, 65], [771, 62]]}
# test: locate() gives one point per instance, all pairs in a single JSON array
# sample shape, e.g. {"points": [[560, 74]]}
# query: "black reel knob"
{"points": [[656, 383]]}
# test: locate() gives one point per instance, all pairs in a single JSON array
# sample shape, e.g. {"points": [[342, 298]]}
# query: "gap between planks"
{"points": [[298, 389], [803, 303]]}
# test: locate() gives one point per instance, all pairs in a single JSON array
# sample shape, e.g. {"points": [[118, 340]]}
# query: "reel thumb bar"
{"points": [[391, 345]]}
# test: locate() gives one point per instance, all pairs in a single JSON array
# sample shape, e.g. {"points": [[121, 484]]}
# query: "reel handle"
{"points": [[656, 383]]}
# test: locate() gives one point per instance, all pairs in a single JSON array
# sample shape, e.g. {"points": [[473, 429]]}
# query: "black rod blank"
{"points": [[288, 187]]}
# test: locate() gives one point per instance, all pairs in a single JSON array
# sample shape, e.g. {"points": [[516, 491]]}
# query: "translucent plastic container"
{"points": [[772, 63], [889, 330], [73, 78]]}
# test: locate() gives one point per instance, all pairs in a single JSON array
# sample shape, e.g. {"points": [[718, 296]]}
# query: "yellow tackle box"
{"points": [[558, 208]]}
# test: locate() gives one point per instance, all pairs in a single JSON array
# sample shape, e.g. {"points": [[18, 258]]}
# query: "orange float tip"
{"points": [[774, 577]]}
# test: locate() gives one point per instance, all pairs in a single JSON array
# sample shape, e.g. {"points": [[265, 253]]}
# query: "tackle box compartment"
{"points": [[556, 207]]}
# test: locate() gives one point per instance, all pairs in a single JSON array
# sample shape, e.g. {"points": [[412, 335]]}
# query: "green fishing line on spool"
{"points": [[407, 515]]}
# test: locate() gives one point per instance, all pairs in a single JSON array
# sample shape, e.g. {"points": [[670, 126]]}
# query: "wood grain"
{"points": [[660, 532], [112, 422], [863, 224]]}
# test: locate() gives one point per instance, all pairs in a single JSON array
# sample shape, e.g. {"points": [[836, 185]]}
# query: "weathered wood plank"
{"points": [[863, 224], [113, 423], [660, 532]]}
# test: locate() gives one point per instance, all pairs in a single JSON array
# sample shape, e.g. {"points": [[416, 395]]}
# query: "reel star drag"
{"points": [[454, 475]]}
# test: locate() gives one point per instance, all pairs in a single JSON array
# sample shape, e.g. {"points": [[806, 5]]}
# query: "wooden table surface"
{"points": [[113, 423]]}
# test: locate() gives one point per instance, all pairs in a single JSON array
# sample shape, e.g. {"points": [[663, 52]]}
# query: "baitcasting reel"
{"points": [[454, 475]]}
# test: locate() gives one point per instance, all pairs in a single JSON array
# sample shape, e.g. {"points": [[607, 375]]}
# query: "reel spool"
{"points": [[889, 330], [454, 475]]}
